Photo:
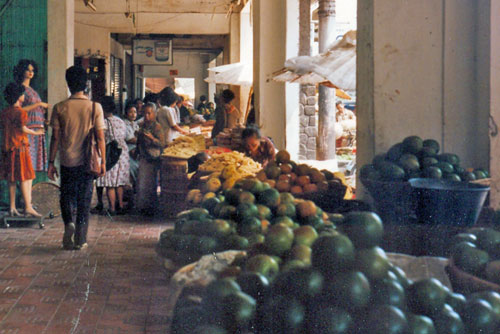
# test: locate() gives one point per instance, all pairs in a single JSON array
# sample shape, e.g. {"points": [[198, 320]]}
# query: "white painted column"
{"points": [[61, 41], [292, 90], [269, 56], [234, 56]]}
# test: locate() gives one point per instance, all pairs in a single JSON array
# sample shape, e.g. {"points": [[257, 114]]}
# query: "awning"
{"points": [[335, 68]]}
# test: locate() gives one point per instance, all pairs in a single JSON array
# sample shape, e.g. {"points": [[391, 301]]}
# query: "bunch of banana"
{"points": [[185, 147]]}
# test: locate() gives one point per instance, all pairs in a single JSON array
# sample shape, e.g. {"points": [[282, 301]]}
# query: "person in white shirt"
{"points": [[167, 115]]}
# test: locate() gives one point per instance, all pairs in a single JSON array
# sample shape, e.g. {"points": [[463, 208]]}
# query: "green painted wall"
{"points": [[23, 34]]}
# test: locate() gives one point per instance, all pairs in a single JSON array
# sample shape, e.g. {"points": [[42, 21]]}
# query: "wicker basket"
{"points": [[466, 283], [329, 200]]}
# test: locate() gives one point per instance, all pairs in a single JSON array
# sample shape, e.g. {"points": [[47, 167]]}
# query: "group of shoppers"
{"points": [[146, 128]]}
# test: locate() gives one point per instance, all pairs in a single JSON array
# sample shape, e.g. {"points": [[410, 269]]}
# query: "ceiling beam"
{"points": [[196, 24]]}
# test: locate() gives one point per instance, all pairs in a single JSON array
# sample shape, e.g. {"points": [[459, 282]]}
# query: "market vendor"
{"points": [[226, 115], [259, 148], [168, 117], [343, 113]]}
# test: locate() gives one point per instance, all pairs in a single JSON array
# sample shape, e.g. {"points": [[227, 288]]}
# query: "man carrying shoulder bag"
{"points": [[78, 136]]}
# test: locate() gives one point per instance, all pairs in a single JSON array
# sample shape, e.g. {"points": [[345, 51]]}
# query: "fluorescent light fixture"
{"points": [[90, 4]]}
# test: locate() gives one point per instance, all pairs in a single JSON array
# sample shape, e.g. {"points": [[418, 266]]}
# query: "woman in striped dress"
{"points": [[24, 73]]}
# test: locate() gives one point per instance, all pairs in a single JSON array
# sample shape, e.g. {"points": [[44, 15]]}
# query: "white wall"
{"points": [[189, 64], [93, 39], [425, 77]]}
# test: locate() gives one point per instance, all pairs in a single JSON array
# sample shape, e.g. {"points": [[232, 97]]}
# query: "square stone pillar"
{"points": [[61, 41]]}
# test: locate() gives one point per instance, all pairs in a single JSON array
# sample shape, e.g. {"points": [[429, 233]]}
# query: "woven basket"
{"points": [[466, 283], [329, 200]]}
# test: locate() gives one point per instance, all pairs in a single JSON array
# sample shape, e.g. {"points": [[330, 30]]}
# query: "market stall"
{"points": [[292, 232]]}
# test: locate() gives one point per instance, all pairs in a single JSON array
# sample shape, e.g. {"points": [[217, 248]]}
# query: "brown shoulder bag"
{"points": [[93, 158]]}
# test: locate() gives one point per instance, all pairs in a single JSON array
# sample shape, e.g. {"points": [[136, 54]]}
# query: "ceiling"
{"points": [[157, 6], [213, 43], [208, 17]]}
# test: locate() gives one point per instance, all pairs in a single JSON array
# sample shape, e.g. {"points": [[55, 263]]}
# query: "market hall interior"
{"points": [[420, 71]]}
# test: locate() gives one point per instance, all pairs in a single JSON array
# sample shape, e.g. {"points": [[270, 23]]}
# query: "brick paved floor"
{"points": [[115, 286]]}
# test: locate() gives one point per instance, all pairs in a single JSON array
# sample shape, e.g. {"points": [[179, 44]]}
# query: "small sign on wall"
{"points": [[174, 72], [152, 52]]}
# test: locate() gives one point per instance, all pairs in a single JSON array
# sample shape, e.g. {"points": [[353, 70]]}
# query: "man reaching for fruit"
{"points": [[259, 148]]}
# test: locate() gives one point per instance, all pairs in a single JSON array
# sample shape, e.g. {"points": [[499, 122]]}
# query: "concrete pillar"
{"points": [[494, 93], [305, 28], [61, 40], [246, 51], [292, 91], [432, 84], [234, 57], [326, 121], [365, 132], [269, 56]]}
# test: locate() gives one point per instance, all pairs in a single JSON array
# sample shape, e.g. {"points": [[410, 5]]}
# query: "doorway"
{"points": [[186, 88]]}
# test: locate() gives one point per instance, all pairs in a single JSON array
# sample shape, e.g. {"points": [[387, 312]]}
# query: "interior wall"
{"points": [[92, 40], [425, 80], [189, 64]]}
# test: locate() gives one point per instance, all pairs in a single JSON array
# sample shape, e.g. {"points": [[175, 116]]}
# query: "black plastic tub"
{"points": [[448, 202], [394, 201]]}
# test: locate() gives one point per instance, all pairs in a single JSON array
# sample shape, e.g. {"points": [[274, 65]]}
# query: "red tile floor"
{"points": [[115, 286]]}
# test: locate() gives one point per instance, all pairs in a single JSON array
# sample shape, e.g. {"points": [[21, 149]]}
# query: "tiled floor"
{"points": [[115, 286]]}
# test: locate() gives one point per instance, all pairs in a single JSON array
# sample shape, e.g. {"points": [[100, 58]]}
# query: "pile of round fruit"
{"points": [[415, 158], [477, 252], [281, 174], [350, 288], [285, 175], [250, 214]]}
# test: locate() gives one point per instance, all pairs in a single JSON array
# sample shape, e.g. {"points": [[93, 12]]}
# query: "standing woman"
{"points": [[150, 139], [24, 73], [119, 176], [132, 127]]}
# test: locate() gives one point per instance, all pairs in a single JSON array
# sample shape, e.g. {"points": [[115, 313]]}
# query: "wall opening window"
{"points": [[186, 88]]}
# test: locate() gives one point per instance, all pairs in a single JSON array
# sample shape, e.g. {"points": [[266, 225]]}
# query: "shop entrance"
{"points": [[186, 88]]}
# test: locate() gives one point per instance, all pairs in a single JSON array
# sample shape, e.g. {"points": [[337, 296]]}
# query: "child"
{"points": [[16, 160]]}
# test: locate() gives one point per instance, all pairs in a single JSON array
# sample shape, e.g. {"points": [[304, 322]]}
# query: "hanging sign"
{"points": [[152, 52]]}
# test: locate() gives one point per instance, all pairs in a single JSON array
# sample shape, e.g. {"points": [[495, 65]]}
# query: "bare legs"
{"points": [[12, 198], [26, 192], [119, 191], [113, 193]]}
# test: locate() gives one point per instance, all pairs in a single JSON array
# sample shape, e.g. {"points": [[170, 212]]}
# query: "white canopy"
{"points": [[335, 68], [237, 74]]}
